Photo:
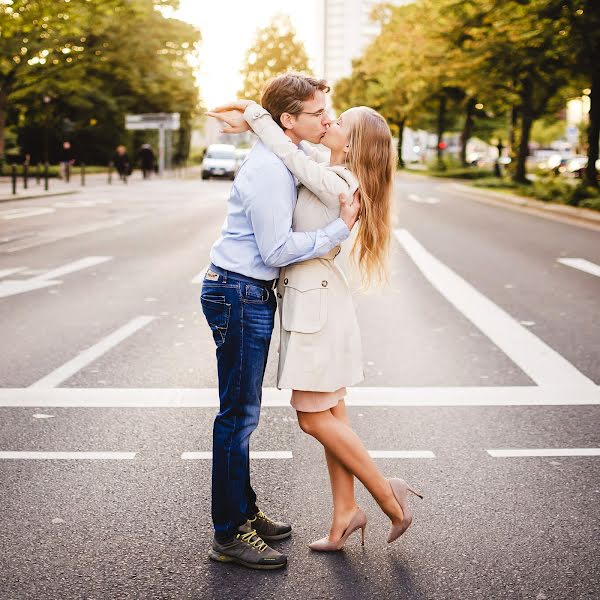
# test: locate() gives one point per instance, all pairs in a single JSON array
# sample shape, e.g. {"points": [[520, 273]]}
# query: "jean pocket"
{"points": [[255, 294], [217, 311]]}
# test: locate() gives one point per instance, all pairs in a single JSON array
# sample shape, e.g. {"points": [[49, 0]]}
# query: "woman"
{"points": [[320, 348]]}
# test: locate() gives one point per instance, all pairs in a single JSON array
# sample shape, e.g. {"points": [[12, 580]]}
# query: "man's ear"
{"points": [[287, 120]]}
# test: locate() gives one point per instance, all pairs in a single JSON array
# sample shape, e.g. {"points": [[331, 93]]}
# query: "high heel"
{"points": [[400, 490], [358, 521]]}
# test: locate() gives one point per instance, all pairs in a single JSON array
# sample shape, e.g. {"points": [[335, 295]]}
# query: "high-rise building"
{"points": [[347, 29]]}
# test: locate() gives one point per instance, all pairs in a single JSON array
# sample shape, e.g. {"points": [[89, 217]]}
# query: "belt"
{"points": [[224, 274]]}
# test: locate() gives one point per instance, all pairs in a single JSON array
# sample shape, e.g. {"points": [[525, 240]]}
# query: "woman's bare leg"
{"points": [[342, 483], [346, 447]]}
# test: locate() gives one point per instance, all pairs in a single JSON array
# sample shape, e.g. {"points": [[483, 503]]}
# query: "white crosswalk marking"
{"points": [[514, 452], [581, 264], [543, 364], [260, 455], [23, 455], [417, 397]]}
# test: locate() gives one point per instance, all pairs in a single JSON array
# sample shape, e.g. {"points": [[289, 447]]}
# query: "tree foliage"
{"points": [[77, 68], [491, 67], [274, 51]]}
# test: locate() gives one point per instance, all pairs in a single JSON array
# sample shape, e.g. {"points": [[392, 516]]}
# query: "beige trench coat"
{"points": [[320, 345]]}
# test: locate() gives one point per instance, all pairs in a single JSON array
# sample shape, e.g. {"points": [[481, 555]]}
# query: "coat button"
{"points": [[278, 295], [285, 281], [324, 283]]}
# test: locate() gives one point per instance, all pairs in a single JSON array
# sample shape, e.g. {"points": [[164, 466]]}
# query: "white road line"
{"points": [[543, 364], [581, 264], [78, 265], [68, 455], [66, 234], [273, 454], [414, 397], [7, 272], [414, 198], [515, 452], [91, 354], [401, 454], [200, 277], [10, 287], [23, 213]]}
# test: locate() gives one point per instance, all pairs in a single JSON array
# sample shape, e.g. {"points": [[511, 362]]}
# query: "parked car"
{"points": [[220, 160]]}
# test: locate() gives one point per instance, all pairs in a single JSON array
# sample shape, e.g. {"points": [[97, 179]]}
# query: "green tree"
{"points": [[122, 56], [275, 50]]}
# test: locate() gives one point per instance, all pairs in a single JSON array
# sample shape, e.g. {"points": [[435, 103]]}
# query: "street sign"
{"points": [[153, 121], [163, 122]]}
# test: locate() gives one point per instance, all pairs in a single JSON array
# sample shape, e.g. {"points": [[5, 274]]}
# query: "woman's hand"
{"points": [[240, 105], [234, 119]]}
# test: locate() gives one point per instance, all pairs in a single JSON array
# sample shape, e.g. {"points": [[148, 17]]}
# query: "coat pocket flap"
{"points": [[304, 311]]}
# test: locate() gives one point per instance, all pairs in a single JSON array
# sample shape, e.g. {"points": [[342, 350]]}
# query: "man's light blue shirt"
{"points": [[257, 237]]}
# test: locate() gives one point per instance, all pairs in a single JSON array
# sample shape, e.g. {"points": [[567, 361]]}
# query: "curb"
{"points": [[549, 209], [37, 195]]}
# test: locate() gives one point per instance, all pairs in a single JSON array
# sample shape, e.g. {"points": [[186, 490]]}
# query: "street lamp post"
{"points": [[47, 101]]}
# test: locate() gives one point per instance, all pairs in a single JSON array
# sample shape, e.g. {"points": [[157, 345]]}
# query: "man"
{"points": [[238, 301]]}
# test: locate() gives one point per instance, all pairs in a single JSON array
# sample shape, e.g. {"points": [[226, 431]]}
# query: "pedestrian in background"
{"points": [[121, 162], [66, 160], [147, 160]]}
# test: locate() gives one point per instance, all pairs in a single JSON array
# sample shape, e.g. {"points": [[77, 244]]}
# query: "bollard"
{"points": [[82, 173], [68, 172], [110, 166], [13, 176], [38, 174], [25, 175], [46, 177]]}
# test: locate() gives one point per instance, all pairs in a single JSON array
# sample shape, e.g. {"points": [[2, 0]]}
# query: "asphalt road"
{"points": [[485, 343]]}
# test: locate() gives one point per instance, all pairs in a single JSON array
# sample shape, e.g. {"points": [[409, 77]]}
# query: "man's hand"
{"points": [[349, 209], [234, 120]]}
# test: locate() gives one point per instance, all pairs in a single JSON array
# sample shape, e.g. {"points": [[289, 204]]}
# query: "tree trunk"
{"points": [[400, 125], [591, 173], [3, 107], [497, 167], [467, 131], [521, 171], [441, 126], [512, 135]]}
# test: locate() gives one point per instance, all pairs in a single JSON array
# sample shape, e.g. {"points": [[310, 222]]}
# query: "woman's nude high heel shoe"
{"points": [[358, 521], [400, 489]]}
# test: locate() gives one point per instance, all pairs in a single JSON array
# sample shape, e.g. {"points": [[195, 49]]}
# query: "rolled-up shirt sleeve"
{"points": [[271, 216]]}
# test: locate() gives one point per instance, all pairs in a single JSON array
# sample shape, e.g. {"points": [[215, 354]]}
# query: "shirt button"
{"points": [[324, 283], [256, 115]]}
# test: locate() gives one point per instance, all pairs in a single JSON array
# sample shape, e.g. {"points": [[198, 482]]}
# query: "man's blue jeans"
{"points": [[240, 311]]}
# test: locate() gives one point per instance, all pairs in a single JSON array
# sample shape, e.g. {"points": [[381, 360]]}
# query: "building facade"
{"points": [[346, 30]]}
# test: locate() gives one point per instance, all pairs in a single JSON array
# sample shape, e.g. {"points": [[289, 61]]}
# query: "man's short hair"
{"points": [[287, 93]]}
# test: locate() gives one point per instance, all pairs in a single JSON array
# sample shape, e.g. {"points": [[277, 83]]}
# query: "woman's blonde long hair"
{"points": [[372, 160]]}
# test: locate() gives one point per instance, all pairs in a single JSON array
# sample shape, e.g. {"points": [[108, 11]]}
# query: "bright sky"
{"points": [[228, 29]]}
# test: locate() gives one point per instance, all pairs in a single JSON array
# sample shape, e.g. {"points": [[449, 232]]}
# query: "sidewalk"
{"points": [[552, 210], [59, 187]]}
